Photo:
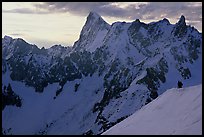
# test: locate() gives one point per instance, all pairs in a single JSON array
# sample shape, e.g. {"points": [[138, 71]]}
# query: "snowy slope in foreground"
{"points": [[176, 111]]}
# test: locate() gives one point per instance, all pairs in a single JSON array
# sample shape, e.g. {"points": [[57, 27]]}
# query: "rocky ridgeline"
{"points": [[120, 53]]}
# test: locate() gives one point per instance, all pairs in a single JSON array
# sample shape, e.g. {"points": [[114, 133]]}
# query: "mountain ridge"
{"points": [[112, 69], [185, 117]]}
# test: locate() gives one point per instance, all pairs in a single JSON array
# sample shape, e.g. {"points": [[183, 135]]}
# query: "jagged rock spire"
{"points": [[166, 20], [182, 20], [137, 20], [94, 14], [93, 25], [180, 28], [93, 17], [6, 40]]}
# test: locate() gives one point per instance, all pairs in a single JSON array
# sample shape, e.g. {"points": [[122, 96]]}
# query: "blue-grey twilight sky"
{"points": [[49, 23]]}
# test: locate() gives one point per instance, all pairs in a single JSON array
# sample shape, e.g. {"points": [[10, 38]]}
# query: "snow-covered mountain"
{"points": [[92, 34], [175, 112], [109, 73]]}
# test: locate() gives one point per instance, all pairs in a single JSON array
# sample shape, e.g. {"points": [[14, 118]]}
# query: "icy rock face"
{"points": [[180, 28], [7, 40], [30, 64], [9, 97], [109, 73], [92, 33]]}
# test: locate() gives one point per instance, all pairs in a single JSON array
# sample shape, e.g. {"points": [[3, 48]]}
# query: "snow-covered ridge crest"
{"points": [[111, 72], [7, 39], [175, 112]]}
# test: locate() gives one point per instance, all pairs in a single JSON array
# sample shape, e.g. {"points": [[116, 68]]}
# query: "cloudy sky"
{"points": [[49, 23]]}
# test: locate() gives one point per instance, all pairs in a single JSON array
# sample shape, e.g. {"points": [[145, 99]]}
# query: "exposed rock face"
{"points": [[132, 62]]}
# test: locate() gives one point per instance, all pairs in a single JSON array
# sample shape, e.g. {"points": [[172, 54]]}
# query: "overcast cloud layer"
{"points": [[141, 10], [127, 10]]}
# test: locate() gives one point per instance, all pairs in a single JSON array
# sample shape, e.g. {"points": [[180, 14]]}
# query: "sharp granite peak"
{"points": [[182, 20], [93, 15], [110, 72], [93, 18], [94, 27]]}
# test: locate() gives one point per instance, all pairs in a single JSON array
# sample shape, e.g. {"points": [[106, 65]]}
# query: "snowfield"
{"points": [[175, 112], [110, 73]]}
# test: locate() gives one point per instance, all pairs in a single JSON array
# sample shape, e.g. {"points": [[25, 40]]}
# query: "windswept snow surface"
{"points": [[175, 112], [39, 110]]}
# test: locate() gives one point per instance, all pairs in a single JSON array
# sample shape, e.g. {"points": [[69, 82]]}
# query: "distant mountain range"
{"points": [[110, 72]]}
